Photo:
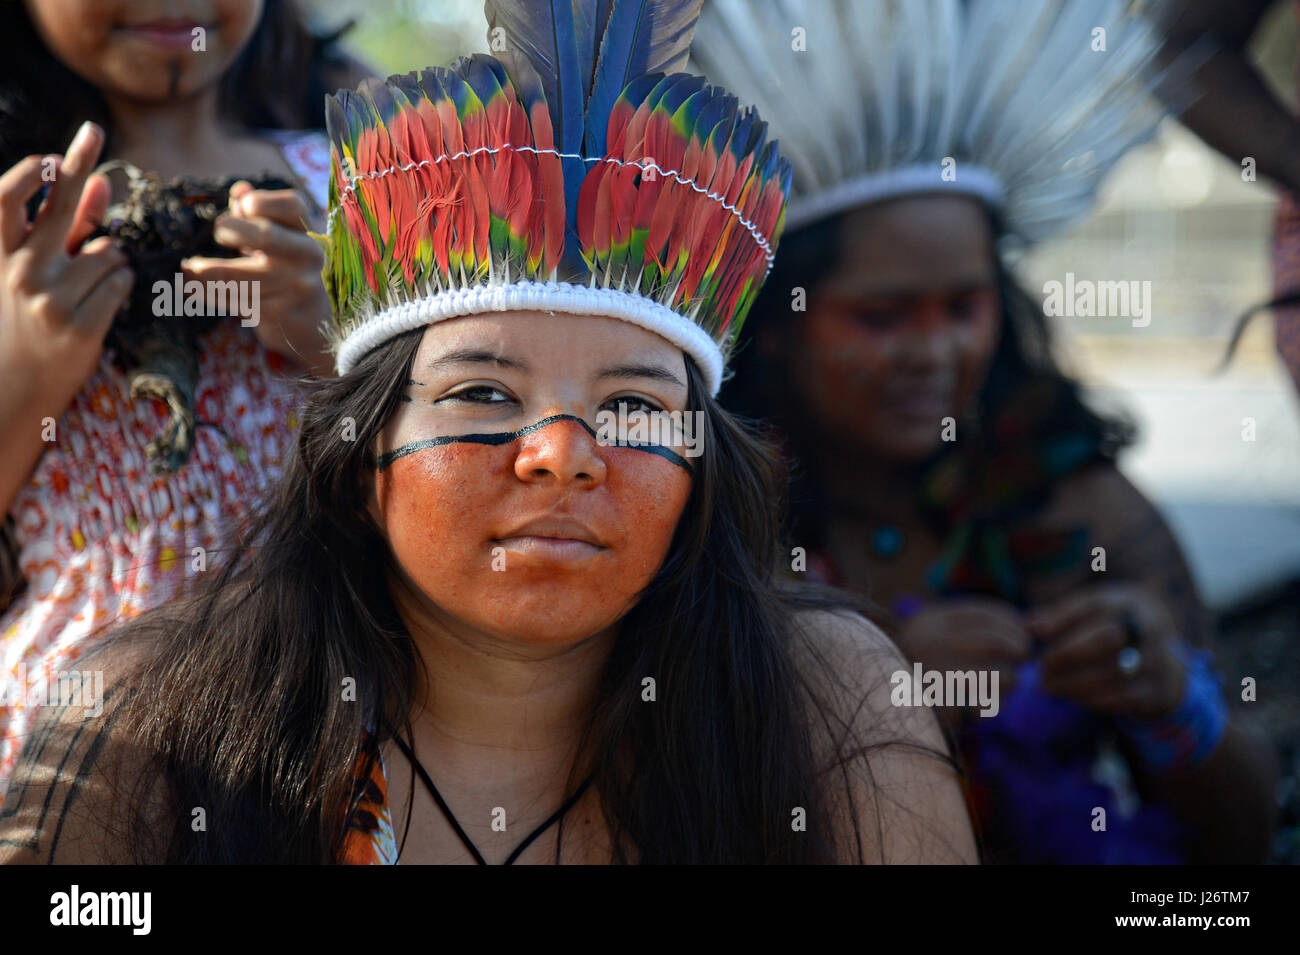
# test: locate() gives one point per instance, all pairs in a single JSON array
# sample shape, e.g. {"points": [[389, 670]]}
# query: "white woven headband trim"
{"points": [[905, 180], [537, 296], [673, 174]]}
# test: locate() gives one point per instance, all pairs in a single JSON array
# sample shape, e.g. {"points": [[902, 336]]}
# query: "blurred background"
{"points": [[1179, 215]]}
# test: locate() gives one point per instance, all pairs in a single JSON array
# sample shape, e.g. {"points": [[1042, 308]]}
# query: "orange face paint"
{"points": [[457, 512]]}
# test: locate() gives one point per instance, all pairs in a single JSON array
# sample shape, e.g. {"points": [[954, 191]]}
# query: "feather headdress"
{"points": [[574, 170], [1023, 105]]}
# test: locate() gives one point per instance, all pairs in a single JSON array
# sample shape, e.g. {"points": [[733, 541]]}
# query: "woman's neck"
{"points": [[862, 485], [480, 693]]}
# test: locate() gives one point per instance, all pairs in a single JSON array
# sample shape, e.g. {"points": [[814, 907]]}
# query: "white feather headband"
{"points": [[1025, 105]]}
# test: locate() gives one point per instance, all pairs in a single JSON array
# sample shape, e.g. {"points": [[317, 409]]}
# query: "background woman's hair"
{"points": [[238, 693], [278, 81], [762, 391]]}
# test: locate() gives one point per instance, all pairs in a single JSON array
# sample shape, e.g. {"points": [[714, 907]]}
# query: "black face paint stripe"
{"points": [[505, 437]]}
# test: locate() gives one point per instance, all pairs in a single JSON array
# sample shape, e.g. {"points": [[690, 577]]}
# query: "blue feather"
{"points": [[552, 35], [640, 36]]}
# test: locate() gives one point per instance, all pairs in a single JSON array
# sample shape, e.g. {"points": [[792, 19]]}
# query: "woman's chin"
{"points": [[541, 617], [550, 629]]}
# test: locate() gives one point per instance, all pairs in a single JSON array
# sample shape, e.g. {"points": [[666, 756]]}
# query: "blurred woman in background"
{"points": [[946, 467]]}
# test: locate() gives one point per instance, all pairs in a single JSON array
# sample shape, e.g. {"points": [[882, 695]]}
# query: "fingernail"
{"points": [[246, 204], [87, 130]]}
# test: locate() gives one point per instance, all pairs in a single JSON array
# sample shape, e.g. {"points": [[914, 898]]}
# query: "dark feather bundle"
{"points": [[158, 225]]}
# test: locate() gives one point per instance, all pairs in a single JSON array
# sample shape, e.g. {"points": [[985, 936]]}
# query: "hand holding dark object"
{"points": [[1109, 648], [266, 228], [967, 633], [158, 226]]}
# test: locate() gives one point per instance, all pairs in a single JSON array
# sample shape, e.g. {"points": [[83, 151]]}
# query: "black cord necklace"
{"points": [[465, 840]]}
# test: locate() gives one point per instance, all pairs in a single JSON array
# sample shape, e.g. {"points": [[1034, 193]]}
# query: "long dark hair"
{"points": [[762, 390], [238, 695], [278, 81]]}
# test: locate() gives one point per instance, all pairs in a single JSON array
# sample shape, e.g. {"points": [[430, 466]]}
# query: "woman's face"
{"points": [[900, 334], [503, 511], [146, 50]]}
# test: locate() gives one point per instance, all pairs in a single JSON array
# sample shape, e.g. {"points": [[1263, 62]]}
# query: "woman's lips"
{"points": [[170, 35], [553, 549]]}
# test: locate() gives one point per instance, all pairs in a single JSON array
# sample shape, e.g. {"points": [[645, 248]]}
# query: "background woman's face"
{"points": [[146, 50], [542, 537], [899, 335]]}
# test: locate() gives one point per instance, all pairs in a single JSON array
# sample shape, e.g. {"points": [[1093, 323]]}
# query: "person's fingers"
{"points": [[1089, 642], [95, 312], [991, 634], [1053, 621], [262, 235], [282, 206], [20, 182], [1013, 642], [1086, 683], [237, 191], [98, 258], [1117, 699], [204, 268], [54, 221], [90, 210]]}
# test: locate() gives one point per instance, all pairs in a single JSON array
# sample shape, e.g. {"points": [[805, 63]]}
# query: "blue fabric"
{"points": [[1191, 733], [1034, 761]]}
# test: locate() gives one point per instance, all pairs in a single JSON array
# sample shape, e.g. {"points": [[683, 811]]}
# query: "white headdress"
{"points": [[1025, 105]]}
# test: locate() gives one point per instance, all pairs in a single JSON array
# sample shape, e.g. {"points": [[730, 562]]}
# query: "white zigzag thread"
{"points": [[667, 173]]}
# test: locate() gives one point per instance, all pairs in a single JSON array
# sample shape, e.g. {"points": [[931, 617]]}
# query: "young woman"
{"points": [[201, 89], [478, 623], [947, 469]]}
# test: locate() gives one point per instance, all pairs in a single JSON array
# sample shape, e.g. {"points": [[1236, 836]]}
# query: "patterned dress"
{"points": [[102, 540]]}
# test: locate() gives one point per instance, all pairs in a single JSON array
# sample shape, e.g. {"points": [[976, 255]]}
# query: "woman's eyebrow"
{"points": [[654, 372], [475, 355]]}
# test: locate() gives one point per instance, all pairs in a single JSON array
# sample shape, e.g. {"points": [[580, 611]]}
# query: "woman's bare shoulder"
{"points": [[840, 651], [890, 775]]}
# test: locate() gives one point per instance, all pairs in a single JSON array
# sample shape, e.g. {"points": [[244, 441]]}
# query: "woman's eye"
{"points": [[964, 308], [629, 404], [970, 304], [476, 394]]}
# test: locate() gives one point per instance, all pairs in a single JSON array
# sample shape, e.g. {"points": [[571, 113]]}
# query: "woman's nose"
{"points": [[929, 339], [562, 451]]}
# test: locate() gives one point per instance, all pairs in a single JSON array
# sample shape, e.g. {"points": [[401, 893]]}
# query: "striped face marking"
{"points": [[506, 437]]}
